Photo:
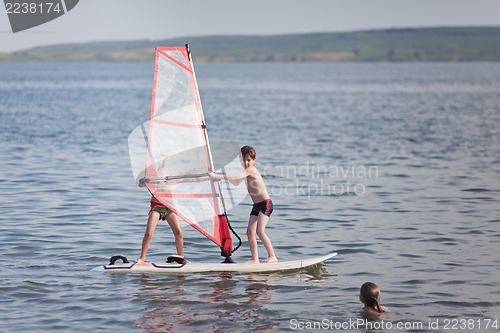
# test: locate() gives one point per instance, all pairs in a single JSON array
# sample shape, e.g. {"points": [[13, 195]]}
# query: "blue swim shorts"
{"points": [[266, 207]]}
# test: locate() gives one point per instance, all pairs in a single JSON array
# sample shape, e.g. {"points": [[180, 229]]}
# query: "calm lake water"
{"points": [[396, 166]]}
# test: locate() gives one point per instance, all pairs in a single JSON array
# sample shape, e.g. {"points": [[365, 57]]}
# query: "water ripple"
{"points": [[424, 226]]}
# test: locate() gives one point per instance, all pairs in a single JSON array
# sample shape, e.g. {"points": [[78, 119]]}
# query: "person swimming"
{"points": [[369, 295]]}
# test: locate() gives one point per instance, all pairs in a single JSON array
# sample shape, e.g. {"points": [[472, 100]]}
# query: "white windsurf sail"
{"points": [[178, 156]]}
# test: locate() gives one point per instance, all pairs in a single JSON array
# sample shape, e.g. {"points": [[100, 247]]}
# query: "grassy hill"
{"points": [[422, 44]]}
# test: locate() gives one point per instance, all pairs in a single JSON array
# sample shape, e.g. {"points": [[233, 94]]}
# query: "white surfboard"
{"points": [[192, 267]]}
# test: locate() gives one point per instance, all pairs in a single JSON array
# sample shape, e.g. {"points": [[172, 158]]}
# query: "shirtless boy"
{"points": [[262, 208], [159, 211]]}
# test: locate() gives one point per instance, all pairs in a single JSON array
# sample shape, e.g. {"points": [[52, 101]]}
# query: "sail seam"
{"points": [[175, 61], [173, 123]]}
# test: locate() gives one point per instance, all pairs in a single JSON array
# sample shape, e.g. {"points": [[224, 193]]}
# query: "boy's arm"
{"points": [[235, 178]]}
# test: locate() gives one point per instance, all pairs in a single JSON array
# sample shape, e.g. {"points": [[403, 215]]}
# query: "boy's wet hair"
{"points": [[248, 151], [371, 294]]}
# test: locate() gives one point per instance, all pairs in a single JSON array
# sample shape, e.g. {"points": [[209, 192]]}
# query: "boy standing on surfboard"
{"points": [[159, 211], [262, 207]]}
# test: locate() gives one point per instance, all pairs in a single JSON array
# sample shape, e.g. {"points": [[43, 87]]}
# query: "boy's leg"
{"points": [[150, 230], [252, 241], [173, 222], [261, 227]]}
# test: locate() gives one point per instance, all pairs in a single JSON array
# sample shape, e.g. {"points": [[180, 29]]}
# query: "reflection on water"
{"points": [[223, 304], [213, 302]]}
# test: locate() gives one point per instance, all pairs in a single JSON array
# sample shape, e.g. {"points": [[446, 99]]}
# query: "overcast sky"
{"points": [[98, 20]]}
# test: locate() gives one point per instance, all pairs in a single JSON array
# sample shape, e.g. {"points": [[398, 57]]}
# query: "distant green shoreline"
{"points": [[420, 44]]}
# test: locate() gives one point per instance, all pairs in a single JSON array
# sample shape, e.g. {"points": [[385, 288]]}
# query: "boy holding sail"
{"points": [[262, 207]]}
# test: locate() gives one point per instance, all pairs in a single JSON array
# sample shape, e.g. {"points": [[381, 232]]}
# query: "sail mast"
{"points": [[206, 132]]}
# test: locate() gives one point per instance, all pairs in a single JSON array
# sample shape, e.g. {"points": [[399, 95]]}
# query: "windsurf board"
{"points": [[193, 267]]}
